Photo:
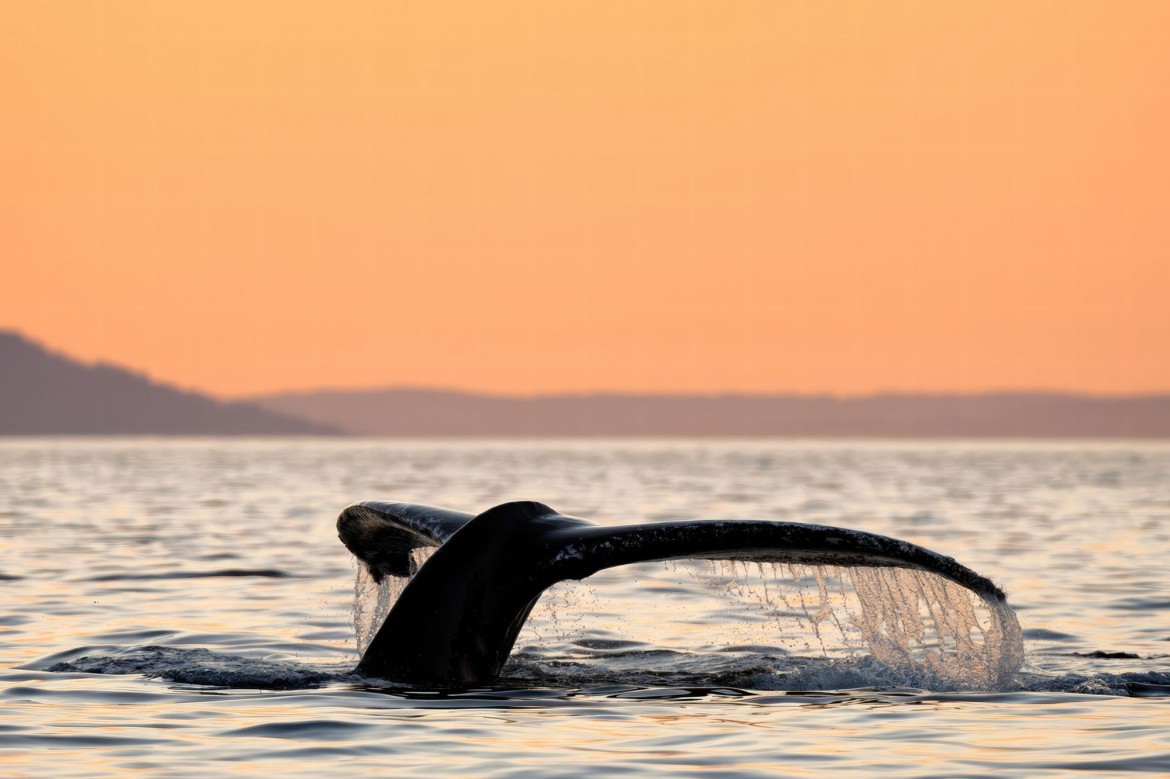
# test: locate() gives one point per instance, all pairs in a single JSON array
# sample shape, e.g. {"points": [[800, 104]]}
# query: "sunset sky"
{"points": [[523, 197]]}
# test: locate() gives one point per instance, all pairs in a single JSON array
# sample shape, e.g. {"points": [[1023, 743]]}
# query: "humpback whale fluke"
{"points": [[458, 617]]}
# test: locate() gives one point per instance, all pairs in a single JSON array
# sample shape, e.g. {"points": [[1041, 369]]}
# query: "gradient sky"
{"points": [[676, 196]]}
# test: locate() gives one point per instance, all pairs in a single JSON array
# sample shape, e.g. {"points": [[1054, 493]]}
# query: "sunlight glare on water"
{"points": [[200, 613]]}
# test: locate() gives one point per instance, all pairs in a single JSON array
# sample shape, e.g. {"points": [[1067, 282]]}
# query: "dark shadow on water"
{"points": [[762, 680], [263, 573]]}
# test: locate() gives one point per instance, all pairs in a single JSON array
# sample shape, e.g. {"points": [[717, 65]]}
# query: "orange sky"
{"points": [[522, 197]]}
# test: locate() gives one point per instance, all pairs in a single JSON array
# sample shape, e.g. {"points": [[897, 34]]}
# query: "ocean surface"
{"points": [[184, 608]]}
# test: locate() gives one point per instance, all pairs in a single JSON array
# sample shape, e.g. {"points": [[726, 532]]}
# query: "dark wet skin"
{"points": [[456, 621]]}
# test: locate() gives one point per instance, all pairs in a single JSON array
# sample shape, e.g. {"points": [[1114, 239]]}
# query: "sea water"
{"points": [[183, 608]]}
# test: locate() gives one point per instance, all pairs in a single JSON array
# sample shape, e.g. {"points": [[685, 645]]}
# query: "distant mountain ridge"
{"points": [[44, 393], [415, 412]]}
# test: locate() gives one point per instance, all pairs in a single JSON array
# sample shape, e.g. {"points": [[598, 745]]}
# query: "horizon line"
{"points": [[713, 395]]}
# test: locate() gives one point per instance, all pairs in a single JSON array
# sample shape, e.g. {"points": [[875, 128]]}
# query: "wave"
{"points": [[266, 573], [753, 670], [202, 667]]}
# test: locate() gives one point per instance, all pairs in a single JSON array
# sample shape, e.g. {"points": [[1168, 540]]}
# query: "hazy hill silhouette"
{"points": [[403, 412], [46, 393]]}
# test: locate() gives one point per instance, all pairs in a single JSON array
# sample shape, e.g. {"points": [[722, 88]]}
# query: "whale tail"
{"points": [[457, 619], [383, 535]]}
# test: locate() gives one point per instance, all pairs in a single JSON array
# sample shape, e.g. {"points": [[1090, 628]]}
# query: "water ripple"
{"points": [[265, 573]]}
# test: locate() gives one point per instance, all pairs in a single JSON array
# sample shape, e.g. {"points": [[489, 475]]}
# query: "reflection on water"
{"points": [[197, 576]]}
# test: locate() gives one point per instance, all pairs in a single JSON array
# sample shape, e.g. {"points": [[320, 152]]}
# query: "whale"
{"points": [[456, 621]]}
